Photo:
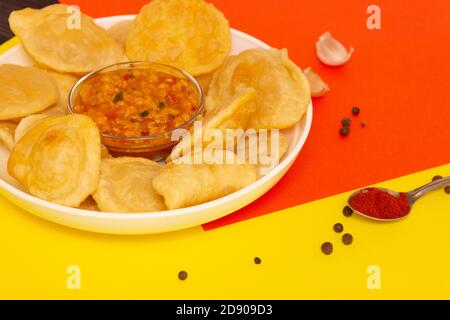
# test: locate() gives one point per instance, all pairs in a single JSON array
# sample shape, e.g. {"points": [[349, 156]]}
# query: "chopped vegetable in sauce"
{"points": [[144, 114], [118, 97]]}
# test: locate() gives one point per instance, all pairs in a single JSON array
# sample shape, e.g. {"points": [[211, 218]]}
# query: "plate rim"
{"points": [[77, 212]]}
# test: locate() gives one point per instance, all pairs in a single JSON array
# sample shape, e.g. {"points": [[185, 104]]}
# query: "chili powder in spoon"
{"points": [[381, 204]]}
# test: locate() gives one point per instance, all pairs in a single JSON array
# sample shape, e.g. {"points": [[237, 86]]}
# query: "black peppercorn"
{"points": [[345, 131]]}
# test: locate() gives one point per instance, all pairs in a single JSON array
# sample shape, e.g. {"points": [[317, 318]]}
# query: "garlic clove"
{"points": [[331, 52], [318, 87]]}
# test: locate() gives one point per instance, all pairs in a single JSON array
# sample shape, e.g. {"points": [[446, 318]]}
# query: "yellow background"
{"points": [[413, 255]]}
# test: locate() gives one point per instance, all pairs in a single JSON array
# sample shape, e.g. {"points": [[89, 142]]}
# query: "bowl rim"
{"points": [[200, 110]]}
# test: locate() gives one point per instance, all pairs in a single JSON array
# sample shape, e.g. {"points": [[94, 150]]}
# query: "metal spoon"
{"points": [[412, 196]]}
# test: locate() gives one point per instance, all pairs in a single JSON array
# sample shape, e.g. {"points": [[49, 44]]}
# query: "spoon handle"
{"points": [[421, 191]]}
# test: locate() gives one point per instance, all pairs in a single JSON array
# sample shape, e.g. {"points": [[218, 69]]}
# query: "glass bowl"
{"points": [[154, 146]]}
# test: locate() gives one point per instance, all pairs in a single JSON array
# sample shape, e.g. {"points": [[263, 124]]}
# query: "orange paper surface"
{"points": [[398, 76]]}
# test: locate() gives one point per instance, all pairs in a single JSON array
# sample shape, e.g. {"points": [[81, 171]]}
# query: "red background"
{"points": [[398, 76]]}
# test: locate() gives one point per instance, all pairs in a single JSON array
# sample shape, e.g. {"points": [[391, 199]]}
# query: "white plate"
{"points": [[155, 222]]}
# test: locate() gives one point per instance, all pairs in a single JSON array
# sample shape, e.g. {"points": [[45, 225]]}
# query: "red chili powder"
{"points": [[380, 204]]}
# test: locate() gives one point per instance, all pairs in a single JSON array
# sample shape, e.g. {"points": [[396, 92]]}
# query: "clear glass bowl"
{"points": [[154, 146]]}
